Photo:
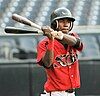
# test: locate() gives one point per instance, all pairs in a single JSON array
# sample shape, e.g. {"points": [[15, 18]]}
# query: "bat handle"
{"points": [[40, 32], [36, 26]]}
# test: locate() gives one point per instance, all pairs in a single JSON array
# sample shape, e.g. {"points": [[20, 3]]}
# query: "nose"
{"points": [[66, 23]]}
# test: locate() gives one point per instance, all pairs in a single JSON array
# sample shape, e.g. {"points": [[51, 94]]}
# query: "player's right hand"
{"points": [[58, 34], [47, 31]]}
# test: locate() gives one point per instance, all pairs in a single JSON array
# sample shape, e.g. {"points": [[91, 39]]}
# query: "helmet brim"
{"points": [[70, 18]]}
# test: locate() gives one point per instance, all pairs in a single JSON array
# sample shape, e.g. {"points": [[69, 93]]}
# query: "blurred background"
{"points": [[19, 73]]}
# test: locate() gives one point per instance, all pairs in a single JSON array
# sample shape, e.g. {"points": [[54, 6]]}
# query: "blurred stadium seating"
{"points": [[86, 12]]}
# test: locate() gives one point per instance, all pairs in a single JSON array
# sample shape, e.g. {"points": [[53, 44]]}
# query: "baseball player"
{"points": [[57, 53]]}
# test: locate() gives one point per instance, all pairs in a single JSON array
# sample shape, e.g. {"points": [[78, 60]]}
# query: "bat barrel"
{"points": [[25, 21]]}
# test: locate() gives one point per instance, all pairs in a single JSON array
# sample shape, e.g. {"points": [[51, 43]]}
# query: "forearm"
{"points": [[65, 38], [68, 39], [49, 55], [48, 58]]}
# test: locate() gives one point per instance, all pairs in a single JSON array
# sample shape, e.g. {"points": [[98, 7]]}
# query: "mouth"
{"points": [[65, 29]]}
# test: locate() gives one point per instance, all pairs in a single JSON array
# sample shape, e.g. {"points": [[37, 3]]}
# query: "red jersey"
{"points": [[61, 76]]}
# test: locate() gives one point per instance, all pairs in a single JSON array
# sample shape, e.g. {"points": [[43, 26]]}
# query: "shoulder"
{"points": [[43, 42]]}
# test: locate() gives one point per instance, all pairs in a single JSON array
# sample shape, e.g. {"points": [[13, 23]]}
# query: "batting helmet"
{"points": [[60, 13]]}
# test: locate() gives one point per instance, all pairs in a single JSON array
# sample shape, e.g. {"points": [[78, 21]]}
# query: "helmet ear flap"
{"points": [[71, 26], [54, 25]]}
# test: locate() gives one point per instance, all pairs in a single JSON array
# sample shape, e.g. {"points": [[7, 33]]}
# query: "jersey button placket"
{"points": [[69, 66], [72, 76]]}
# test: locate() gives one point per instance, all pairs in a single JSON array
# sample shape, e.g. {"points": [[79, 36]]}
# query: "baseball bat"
{"points": [[25, 21], [13, 30]]}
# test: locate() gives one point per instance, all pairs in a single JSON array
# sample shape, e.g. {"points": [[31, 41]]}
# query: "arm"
{"points": [[49, 54], [68, 39], [73, 40]]}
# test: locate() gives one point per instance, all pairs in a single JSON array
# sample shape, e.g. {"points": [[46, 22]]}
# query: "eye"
{"points": [[68, 21], [61, 20]]}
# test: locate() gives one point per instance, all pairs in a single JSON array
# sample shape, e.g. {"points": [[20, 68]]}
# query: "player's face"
{"points": [[63, 25]]}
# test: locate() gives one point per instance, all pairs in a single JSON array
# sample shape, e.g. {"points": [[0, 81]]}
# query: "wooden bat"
{"points": [[13, 30], [25, 21]]}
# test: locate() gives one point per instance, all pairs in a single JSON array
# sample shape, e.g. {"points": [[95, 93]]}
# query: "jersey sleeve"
{"points": [[41, 49]]}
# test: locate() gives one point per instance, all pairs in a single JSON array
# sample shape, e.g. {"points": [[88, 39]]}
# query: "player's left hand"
{"points": [[47, 31]]}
